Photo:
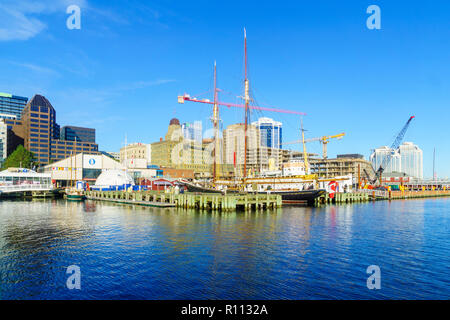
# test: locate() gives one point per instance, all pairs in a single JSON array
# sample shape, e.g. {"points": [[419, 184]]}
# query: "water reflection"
{"points": [[128, 251]]}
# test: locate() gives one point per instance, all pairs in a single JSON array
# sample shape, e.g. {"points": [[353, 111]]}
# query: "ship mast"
{"points": [[305, 154], [247, 99], [215, 120]]}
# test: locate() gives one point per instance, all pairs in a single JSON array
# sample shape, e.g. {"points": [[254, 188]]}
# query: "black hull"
{"points": [[194, 188], [298, 197], [288, 197]]}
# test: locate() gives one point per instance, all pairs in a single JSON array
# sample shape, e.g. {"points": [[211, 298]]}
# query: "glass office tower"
{"points": [[11, 106], [271, 132], [72, 133]]}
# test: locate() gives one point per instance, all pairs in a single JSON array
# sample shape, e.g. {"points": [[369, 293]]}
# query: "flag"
{"points": [[333, 186]]}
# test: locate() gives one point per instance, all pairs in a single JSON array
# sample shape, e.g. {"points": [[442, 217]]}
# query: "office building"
{"points": [[11, 106], [71, 133], [234, 147], [112, 154], [271, 132], [3, 144], [136, 155], [408, 159], [411, 160], [40, 133], [176, 152], [379, 155], [192, 131]]}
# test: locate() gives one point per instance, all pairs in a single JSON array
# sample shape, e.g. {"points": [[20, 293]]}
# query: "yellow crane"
{"points": [[323, 140]]}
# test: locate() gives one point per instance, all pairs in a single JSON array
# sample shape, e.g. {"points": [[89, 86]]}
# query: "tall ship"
{"points": [[295, 186]]}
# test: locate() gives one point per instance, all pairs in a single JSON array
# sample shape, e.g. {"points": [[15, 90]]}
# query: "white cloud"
{"points": [[35, 68], [22, 19]]}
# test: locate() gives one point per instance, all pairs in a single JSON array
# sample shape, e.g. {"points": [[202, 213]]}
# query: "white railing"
{"points": [[25, 187]]}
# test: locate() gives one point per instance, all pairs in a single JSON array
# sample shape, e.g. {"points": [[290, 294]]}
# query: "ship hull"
{"points": [[304, 197]]}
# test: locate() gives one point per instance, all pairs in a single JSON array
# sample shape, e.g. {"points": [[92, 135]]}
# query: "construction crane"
{"points": [[395, 145], [323, 140]]}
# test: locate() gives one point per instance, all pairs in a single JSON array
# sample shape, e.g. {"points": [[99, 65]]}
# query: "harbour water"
{"points": [[132, 252]]}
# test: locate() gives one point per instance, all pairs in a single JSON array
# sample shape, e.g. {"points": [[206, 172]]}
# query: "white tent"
{"points": [[113, 178]]}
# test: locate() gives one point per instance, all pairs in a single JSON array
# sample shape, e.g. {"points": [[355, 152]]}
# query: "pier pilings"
{"points": [[203, 201]]}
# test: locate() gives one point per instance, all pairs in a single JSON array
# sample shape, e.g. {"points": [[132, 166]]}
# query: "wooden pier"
{"points": [[341, 198], [393, 195], [373, 195], [204, 201]]}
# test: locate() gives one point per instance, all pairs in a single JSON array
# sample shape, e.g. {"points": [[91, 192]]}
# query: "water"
{"points": [[128, 252]]}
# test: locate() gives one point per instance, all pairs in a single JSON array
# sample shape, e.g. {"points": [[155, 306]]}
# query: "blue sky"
{"points": [[122, 71]]}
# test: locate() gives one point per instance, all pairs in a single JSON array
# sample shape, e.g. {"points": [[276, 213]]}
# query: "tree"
{"points": [[21, 157]]}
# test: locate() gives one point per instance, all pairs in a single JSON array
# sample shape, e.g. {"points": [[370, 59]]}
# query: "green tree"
{"points": [[21, 157]]}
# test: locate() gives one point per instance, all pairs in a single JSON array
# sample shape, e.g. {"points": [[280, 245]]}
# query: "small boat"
{"points": [[74, 195]]}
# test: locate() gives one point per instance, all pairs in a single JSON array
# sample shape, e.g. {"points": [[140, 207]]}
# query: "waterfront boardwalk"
{"points": [[208, 201], [373, 195]]}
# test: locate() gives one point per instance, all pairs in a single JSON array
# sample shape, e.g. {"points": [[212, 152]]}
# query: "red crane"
{"points": [[246, 105]]}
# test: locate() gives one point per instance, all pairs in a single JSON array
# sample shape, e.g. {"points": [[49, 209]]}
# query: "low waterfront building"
{"points": [[82, 166], [22, 179]]}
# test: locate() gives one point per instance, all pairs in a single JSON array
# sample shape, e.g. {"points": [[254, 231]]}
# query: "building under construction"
{"points": [[344, 164]]}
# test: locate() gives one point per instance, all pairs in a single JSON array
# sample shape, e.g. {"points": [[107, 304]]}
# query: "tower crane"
{"points": [[323, 140], [395, 145]]}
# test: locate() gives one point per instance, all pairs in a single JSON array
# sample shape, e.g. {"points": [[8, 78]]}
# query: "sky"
{"points": [[122, 71]]}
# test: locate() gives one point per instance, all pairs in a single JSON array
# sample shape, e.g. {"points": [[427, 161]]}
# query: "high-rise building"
{"points": [[271, 132], [40, 133], [72, 133], [408, 159], [411, 160], [258, 156], [3, 145], [192, 131], [11, 106]]}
